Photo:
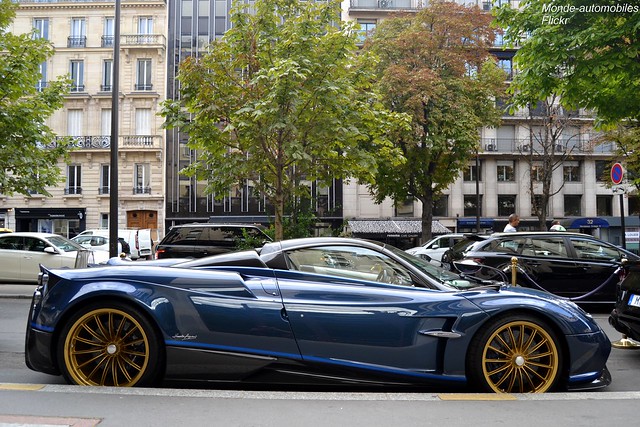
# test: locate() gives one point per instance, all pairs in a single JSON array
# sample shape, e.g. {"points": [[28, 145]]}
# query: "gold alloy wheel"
{"points": [[520, 357], [106, 347]]}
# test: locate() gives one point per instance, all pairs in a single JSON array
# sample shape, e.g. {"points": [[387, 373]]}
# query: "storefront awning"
{"points": [[577, 223], [390, 227]]}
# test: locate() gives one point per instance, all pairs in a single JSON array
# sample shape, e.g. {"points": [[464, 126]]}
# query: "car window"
{"points": [[592, 250], [350, 261], [34, 244], [183, 236], [507, 244], [551, 247], [64, 244], [12, 243]]}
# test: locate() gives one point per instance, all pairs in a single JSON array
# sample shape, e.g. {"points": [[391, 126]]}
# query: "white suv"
{"points": [[435, 247]]}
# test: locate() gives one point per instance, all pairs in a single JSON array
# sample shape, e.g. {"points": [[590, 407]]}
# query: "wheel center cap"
{"points": [[519, 360], [111, 349]]}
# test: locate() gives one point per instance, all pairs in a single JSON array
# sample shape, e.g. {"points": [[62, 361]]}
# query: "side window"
{"points": [[351, 262], [12, 243], [508, 245], [184, 236], [551, 247], [34, 245], [591, 250]]}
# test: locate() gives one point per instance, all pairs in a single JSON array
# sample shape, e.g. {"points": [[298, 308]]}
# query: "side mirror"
{"points": [[435, 246], [51, 250]]}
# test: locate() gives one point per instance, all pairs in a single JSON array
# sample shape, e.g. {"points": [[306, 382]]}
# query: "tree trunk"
{"points": [[427, 215]]}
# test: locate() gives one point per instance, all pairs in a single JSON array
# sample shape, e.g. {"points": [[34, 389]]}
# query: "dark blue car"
{"points": [[319, 310]]}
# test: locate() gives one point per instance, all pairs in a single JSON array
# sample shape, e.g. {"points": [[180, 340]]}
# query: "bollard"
{"points": [[514, 270]]}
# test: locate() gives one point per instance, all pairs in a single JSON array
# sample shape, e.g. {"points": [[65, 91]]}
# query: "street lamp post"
{"points": [[113, 176]]}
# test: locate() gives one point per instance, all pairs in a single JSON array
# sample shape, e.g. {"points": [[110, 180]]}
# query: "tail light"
{"points": [[159, 252]]}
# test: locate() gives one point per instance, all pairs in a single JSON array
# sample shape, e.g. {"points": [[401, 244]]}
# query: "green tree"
{"points": [[586, 52], [575, 54], [281, 98], [435, 66], [29, 150]]}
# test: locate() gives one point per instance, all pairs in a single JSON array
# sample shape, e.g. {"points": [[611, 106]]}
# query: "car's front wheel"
{"points": [[515, 354], [109, 344]]}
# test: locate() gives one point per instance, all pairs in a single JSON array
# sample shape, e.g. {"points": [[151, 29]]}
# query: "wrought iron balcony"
{"points": [[387, 4], [77, 41], [107, 41], [141, 190], [103, 142], [73, 190]]}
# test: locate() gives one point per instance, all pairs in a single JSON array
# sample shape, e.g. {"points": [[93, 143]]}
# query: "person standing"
{"points": [[555, 226], [514, 220]]}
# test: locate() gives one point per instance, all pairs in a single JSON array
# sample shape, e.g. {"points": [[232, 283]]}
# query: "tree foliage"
{"points": [[586, 52], [281, 98], [435, 66], [29, 150]]}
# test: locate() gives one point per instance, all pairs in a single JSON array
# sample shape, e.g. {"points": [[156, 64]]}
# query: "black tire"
{"points": [[515, 354], [109, 344]]}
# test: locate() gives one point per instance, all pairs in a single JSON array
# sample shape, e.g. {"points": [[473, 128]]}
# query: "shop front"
{"points": [[67, 222]]}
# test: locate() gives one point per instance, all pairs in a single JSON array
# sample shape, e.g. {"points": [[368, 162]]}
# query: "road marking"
{"points": [[476, 396], [28, 387], [28, 420]]}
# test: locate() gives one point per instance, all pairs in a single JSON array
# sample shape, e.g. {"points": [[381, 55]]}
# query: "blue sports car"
{"points": [[318, 310]]}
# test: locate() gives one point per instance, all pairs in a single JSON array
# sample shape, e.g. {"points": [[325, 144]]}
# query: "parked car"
{"points": [[435, 247], [625, 317], [139, 241], [22, 252], [203, 239], [570, 265], [101, 243], [289, 313]]}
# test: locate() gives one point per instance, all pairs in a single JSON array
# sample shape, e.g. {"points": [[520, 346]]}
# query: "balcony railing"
{"points": [[103, 190], [107, 41], [143, 86], [103, 142], [128, 40], [387, 4], [105, 88], [41, 85], [575, 145], [73, 190], [77, 41], [141, 190], [76, 88]]}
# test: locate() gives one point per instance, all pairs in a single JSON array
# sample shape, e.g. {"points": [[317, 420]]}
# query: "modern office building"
{"points": [[82, 33]]}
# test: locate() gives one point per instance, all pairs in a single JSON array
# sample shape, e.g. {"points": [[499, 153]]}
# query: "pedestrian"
{"points": [[555, 226], [514, 220]]}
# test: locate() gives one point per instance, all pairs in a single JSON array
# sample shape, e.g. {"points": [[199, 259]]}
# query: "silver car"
{"points": [[21, 254]]}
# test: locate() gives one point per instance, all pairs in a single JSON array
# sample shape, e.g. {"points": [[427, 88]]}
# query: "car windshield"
{"points": [[438, 273], [64, 244]]}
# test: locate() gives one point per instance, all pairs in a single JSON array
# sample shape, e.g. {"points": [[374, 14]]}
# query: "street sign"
{"points": [[617, 173]]}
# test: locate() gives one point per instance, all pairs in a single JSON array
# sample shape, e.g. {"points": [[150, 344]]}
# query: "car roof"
{"points": [[212, 224], [30, 234]]}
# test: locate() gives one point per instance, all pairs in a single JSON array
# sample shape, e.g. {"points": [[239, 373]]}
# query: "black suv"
{"points": [[204, 239], [570, 265]]}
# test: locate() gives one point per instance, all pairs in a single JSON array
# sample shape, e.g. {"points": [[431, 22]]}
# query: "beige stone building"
{"points": [[82, 33]]}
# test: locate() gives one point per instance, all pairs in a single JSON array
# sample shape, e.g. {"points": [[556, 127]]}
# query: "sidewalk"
{"points": [[16, 291]]}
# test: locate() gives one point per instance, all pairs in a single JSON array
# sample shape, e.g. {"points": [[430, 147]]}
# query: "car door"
{"points": [[34, 255], [353, 306], [595, 264], [11, 253], [549, 265]]}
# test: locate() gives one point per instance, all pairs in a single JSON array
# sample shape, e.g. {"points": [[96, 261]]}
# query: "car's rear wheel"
{"points": [[109, 345], [515, 354]]}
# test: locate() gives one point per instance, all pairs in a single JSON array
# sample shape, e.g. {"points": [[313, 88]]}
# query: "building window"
{"points": [[634, 204], [105, 121], [104, 220], [108, 32], [41, 27], [405, 208], [107, 75], [506, 205], [469, 173], [42, 83], [507, 66], [537, 172], [366, 29], [602, 170], [145, 27], [604, 206], [74, 180], [572, 205], [441, 206], [74, 122], [78, 37], [104, 179], [142, 178], [571, 172], [506, 170], [76, 70], [470, 207], [143, 75]]}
